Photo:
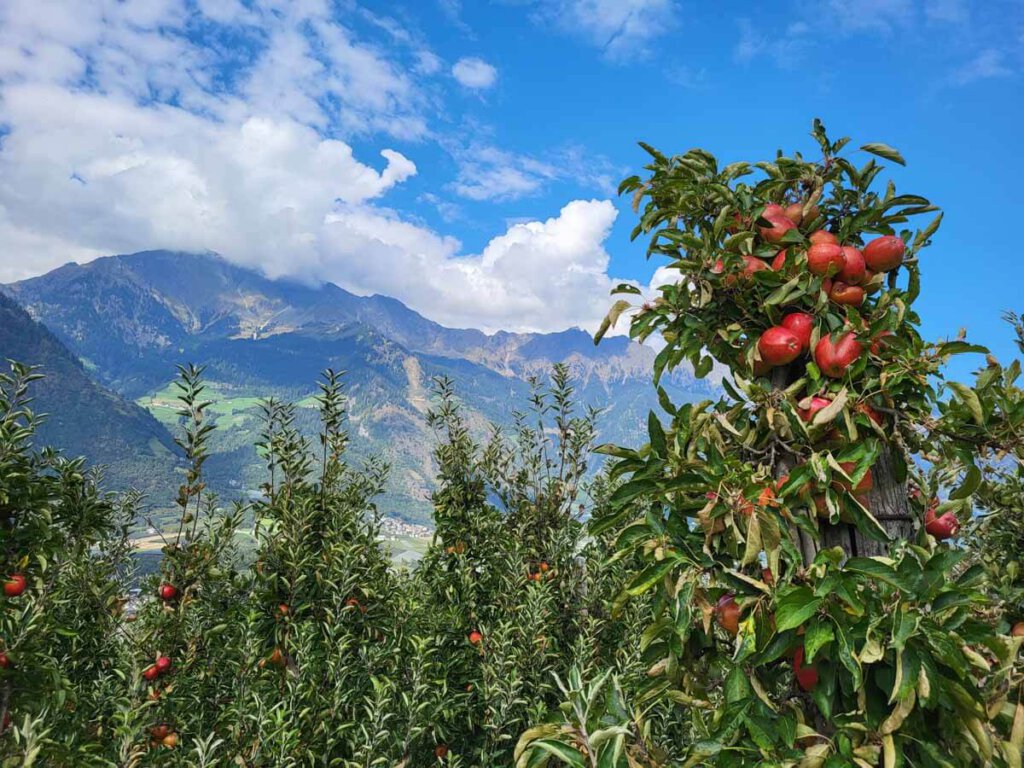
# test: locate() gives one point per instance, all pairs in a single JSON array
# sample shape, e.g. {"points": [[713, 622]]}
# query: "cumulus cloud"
{"points": [[474, 73], [127, 129], [538, 275]]}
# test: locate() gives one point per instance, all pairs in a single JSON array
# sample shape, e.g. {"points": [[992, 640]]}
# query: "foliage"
{"points": [[836, 659], [753, 587], [320, 652], [60, 678]]}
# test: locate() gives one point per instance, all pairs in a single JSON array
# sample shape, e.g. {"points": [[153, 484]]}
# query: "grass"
{"points": [[230, 411]]}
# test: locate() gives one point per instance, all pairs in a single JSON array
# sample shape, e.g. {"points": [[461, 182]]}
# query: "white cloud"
{"points": [[987, 64], [621, 28], [787, 48], [870, 15], [486, 172], [125, 134], [124, 177], [539, 275], [452, 10], [474, 73]]}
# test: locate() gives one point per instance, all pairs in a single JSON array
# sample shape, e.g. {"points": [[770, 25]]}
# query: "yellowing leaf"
{"points": [[893, 722]]}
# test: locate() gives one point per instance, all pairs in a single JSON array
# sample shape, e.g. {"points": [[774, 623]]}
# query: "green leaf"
{"points": [[795, 608], [876, 569], [611, 318], [960, 348], [649, 576], [969, 398], [626, 288], [818, 636], [931, 229], [626, 492], [972, 479], [657, 434], [563, 752], [884, 151], [703, 368]]}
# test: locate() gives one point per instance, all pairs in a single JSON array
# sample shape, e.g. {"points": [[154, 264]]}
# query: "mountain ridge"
{"points": [[81, 416], [133, 317]]}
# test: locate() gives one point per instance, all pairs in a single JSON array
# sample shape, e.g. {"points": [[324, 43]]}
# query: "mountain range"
{"points": [[128, 320], [83, 417]]}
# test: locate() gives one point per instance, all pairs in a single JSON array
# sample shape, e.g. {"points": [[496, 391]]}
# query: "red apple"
{"points": [[834, 357], [884, 253], [163, 664], [475, 637], [806, 676], [1017, 630], [821, 506], [878, 342], [5, 660], [854, 269], [779, 262], [780, 225], [778, 346], [944, 526], [822, 237], [441, 751], [158, 732], [168, 592], [801, 324], [738, 223], [816, 404], [170, 740], [752, 265], [773, 209], [866, 484], [824, 259], [151, 673], [870, 412], [15, 585], [842, 293], [544, 567], [795, 213], [727, 614]]}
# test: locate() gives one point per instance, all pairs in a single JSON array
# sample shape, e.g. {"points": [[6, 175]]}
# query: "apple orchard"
{"points": [[821, 568]]}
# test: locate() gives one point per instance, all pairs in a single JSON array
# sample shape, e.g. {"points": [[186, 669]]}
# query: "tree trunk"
{"points": [[888, 502]]}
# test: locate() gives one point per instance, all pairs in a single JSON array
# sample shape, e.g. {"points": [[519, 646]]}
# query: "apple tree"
{"points": [[811, 604], [64, 571]]}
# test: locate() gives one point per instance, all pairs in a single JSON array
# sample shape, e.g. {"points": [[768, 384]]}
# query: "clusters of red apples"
{"points": [[846, 273]]}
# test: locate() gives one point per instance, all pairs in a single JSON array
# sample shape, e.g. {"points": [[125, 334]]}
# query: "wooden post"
{"points": [[888, 500]]}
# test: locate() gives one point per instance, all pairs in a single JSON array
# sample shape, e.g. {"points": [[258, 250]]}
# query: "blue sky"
{"points": [[257, 128]]}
